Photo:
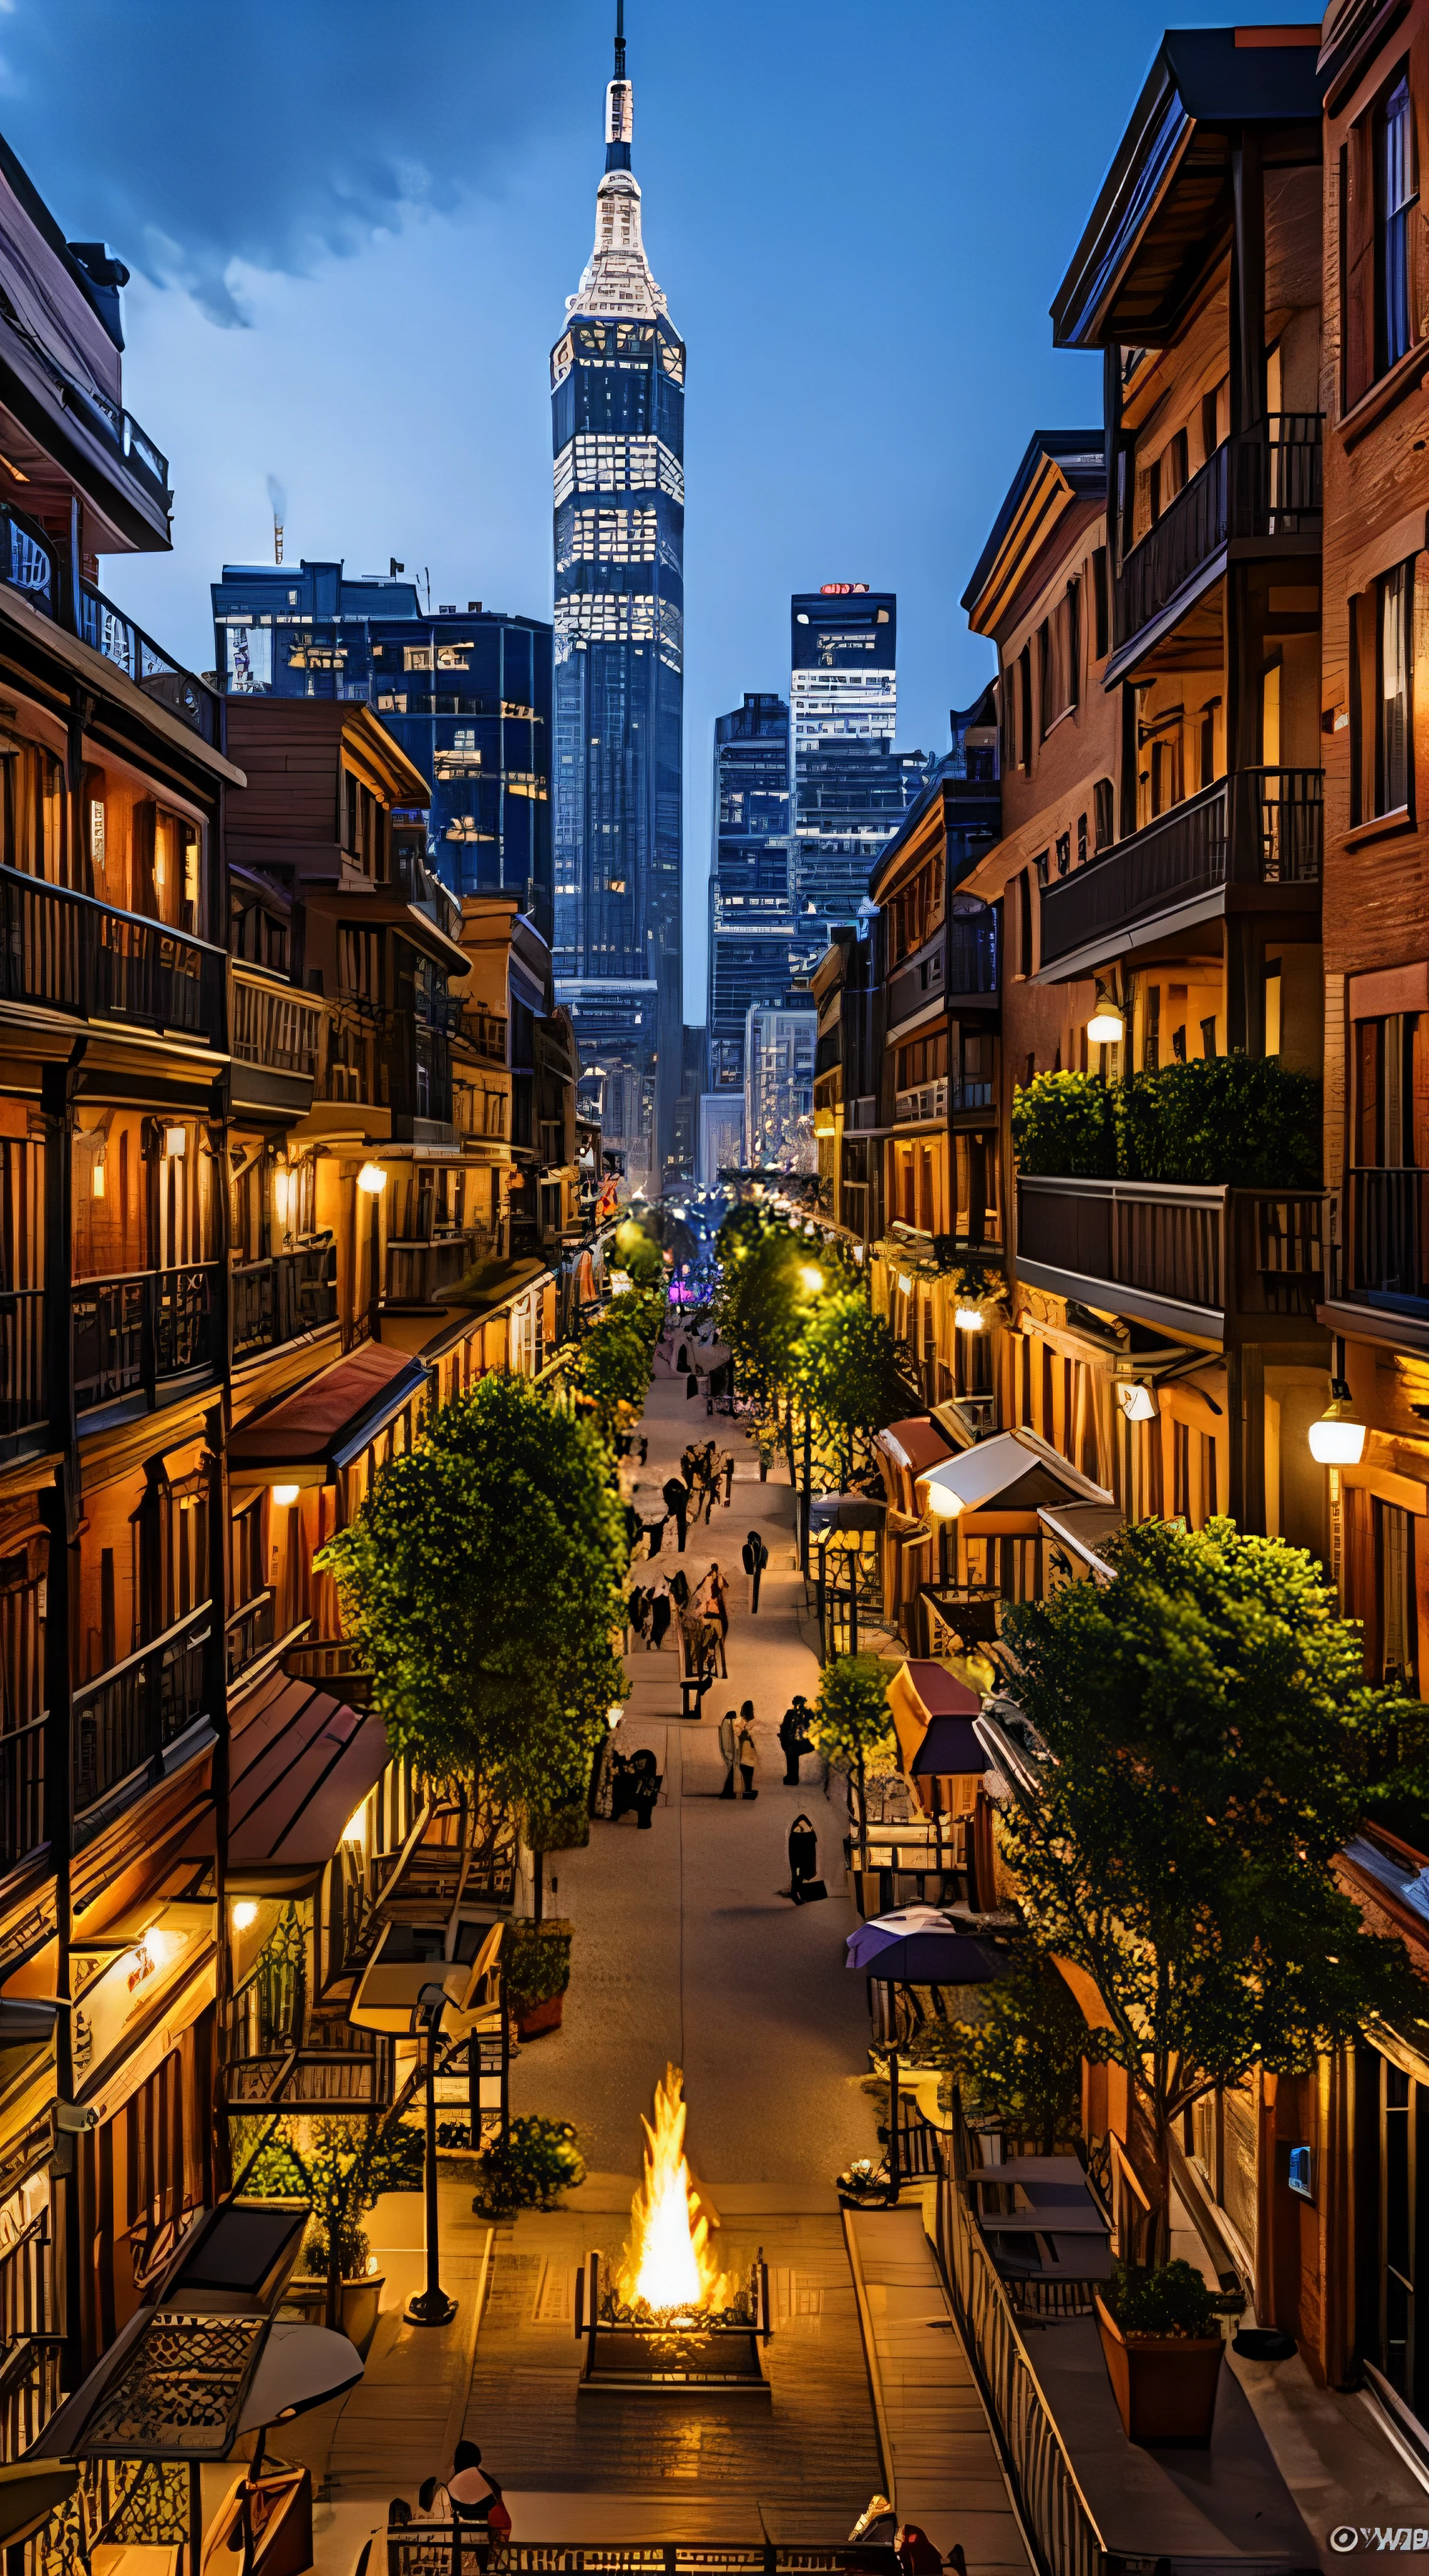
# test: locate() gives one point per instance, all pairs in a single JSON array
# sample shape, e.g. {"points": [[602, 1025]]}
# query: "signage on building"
{"points": [[839, 589]]}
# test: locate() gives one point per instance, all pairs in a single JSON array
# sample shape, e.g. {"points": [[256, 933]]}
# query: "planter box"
{"points": [[1164, 2385], [361, 2301], [532, 2019]]}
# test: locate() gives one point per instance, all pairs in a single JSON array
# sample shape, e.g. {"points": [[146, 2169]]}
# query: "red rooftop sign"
{"points": [[839, 589]]}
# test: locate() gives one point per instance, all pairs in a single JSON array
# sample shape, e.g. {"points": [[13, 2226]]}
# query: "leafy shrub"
{"points": [[1062, 1124], [1164, 2299], [539, 1962], [351, 2246], [541, 2161]]}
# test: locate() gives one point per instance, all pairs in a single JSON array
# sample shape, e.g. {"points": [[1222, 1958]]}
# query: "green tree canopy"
{"points": [[613, 1364], [1211, 1731], [853, 1722], [847, 1373], [483, 1579]]}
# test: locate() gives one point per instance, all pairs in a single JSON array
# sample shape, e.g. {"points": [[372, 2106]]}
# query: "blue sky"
{"points": [[353, 224]]}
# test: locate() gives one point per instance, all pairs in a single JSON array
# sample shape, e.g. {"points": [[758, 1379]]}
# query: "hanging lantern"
{"points": [[1337, 1440]]}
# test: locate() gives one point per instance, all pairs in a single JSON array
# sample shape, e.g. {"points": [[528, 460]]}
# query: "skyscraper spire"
{"points": [[620, 39], [619, 103]]}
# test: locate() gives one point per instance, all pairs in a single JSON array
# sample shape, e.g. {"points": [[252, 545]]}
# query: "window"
{"points": [[1064, 852], [1058, 656], [1101, 601], [1208, 1037], [1377, 194], [1105, 809], [1024, 921], [1398, 1621], [1081, 840], [1024, 709], [1272, 1006], [1208, 743], [1381, 708], [1151, 1049]]}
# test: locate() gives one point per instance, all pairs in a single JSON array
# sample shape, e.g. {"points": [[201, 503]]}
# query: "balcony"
{"points": [[393, 1059], [276, 1300], [484, 1031], [961, 967], [24, 1396], [127, 1721], [30, 564], [1254, 839], [275, 1037], [69, 953], [1260, 488], [248, 1634], [133, 1334], [1184, 1258], [423, 1273], [1382, 1259], [331, 1663], [22, 1792]]}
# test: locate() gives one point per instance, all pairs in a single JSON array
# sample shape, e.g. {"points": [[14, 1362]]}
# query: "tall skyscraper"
{"points": [[850, 787], [617, 417], [466, 692], [751, 918]]}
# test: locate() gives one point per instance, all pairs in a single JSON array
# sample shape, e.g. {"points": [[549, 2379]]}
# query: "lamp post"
{"points": [[431, 2307]]}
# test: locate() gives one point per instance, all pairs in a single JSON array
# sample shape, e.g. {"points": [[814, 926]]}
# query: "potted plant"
{"points": [[1163, 2350], [530, 2170], [360, 2280], [537, 1975], [340, 2168]]}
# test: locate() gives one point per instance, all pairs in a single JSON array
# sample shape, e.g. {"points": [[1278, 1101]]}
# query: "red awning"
{"points": [[916, 1444], [300, 1761], [336, 1413], [941, 1692]]}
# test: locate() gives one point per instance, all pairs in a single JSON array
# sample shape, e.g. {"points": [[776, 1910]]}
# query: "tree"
{"points": [[483, 1578], [1020, 2066], [612, 1366], [1211, 1730], [774, 1280], [852, 1722], [847, 1373], [340, 2168]]}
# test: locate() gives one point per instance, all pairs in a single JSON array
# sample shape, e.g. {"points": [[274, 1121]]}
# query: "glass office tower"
{"points": [[751, 898], [467, 693], [850, 787], [617, 414]]}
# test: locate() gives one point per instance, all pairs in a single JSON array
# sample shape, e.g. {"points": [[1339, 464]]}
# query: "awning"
{"points": [[302, 2367], [30, 2491], [236, 2259], [830, 1513], [300, 1762], [1085, 1529], [948, 1748], [922, 1696], [1015, 1471], [327, 1422], [915, 1444]]}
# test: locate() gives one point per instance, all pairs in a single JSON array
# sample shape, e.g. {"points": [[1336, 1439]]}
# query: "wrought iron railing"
{"points": [[28, 562], [442, 2549], [248, 1633], [24, 1399], [125, 1721], [1264, 482], [1259, 827], [22, 1794], [274, 1026], [1383, 1253], [1223, 1250], [275, 1300], [124, 643], [70, 953], [131, 1334]]}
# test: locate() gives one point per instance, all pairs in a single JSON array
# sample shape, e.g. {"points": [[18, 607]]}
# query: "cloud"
{"points": [[283, 137]]}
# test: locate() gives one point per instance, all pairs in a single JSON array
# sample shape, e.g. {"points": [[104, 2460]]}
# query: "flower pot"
{"points": [[532, 2019], [361, 2302], [1164, 2385]]}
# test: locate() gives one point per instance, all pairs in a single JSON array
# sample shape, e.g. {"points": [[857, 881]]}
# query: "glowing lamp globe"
{"points": [[372, 1180], [968, 1319], [1106, 1027], [1337, 1440], [1137, 1403]]}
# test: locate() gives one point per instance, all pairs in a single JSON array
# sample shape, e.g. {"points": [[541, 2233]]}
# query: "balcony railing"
{"points": [[972, 953], [248, 1633], [125, 1721], [277, 1299], [132, 1333], [334, 1664], [124, 643], [418, 1274], [22, 1792], [485, 1031], [1263, 483], [1220, 1251], [271, 1026], [30, 564], [1383, 1253], [24, 1401], [928, 1100], [1258, 827], [72, 954], [30, 2344]]}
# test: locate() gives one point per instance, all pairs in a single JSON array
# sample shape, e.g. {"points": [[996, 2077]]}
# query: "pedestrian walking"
{"points": [[655, 1530], [688, 1457], [728, 1745], [714, 1594], [747, 1752], [676, 1499], [754, 1556]]}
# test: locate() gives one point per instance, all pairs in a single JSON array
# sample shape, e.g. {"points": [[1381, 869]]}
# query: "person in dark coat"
{"points": [[676, 1498], [754, 1557], [659, 1616], [680, 1588], [793, 1736], [803, 1857]]}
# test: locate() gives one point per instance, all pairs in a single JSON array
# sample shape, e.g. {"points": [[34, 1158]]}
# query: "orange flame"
{"points": [[668, 2263]]}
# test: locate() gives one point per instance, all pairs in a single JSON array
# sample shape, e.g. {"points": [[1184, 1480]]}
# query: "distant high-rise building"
{"points": [[850, 787], [779, 1089], [617, 414], [751, 917], [466, 692], [721, 1144]]}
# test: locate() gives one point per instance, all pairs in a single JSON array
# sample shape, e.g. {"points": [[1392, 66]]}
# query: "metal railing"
{"points": [[1383, 1251], [418, 1273], [248, 1633], [131, 1333], [124, 643], [24, 1399], [125, 1721], [22, 1792], [274, 1027], [287, 1294], [1219, 1249], [1258, 827], [331, 1663], [972, 953], [443, 2549], [73, 954], [1264, 482], [484, 1031], [28, 562]]}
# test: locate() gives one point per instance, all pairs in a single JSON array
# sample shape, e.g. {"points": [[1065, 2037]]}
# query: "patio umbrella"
{"points": [[864, 1943], [918, 1947]]}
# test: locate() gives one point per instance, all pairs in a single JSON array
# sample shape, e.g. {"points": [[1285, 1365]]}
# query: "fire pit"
{"points": [[666, 2321]]}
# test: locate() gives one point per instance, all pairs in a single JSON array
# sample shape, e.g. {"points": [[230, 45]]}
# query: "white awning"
{"points": [[1013, 1471]]}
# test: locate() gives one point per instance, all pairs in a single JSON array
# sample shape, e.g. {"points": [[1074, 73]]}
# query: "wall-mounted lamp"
{"points": [[96, 1182], [968, 1319], [176, 1142], [372, 1179], [943, 1505], [614, 1714], [285, 1496], [1137, 1401], [245, 1914], [1337, 1440], [1106, 1027]]}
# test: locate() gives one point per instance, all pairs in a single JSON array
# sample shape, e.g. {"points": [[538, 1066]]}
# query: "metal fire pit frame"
{"points": [[718, 2358]]}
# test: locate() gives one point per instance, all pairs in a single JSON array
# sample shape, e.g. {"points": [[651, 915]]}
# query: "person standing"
{"points": [[716, 1598], [728, 1745], [754, 1557], [747, 1751], [676, 1498], [659, 1613], [803, 1857], [792, 1738]]}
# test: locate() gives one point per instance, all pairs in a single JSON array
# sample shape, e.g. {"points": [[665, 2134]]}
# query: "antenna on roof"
{"points": [[620, 39]]}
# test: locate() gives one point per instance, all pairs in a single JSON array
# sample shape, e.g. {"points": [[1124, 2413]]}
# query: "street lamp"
{"points": [[431, 2307], [1106, 1027], [1337, 1440]]}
